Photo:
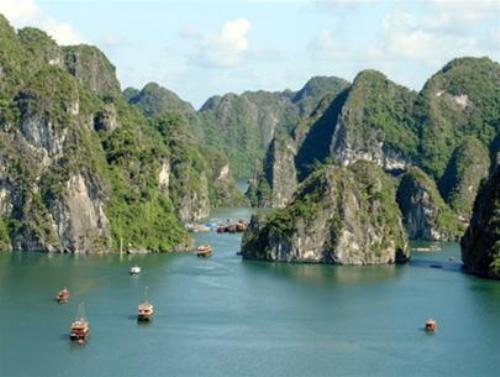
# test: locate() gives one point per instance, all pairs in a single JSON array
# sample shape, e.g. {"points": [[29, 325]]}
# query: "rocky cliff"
{"points": [[458, 101], [80, 169], [274, 183], [155, 100], [425, 214], [202, 177], [448, 130], [467, 167], [481, 242], [243, 125], [338, 215]]}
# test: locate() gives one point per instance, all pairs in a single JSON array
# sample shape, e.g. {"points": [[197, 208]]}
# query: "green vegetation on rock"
{"points": [[425, 214], [481, 242], [468, 165], [244, 125], [338, 215], [461, 99]]}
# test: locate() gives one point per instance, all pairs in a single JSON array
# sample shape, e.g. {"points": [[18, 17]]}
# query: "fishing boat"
{"points": [[204, 251], [63, 296], [430, 325], [135, 270], [80, 329], [238, 227], [145, 308], [428, 249], [145, 311]]}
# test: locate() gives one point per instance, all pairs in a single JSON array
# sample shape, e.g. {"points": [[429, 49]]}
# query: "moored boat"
{"points": [[63, 296], [238, 227], [135, 270], [204, 251], [145, 311], [80, 329], [430, 325]]}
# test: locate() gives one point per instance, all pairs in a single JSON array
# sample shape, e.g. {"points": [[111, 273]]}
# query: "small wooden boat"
{"points": [[63, 296], [135, 270], [238, 227], [80, 329], [430, 325], [204, 251], [145, 311]]}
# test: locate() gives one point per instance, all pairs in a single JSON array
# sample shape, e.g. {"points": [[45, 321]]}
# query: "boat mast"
{"points": [[80, 314]]}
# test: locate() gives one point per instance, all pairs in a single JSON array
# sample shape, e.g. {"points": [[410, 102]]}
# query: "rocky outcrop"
{"points": [[92, 68], [290, 154], [457, 101], [194, 203], [425, 214], [467, 167], [481, 242], [106, 119], [275, 186], [154, 100], [244, 125], [338, 215], [80, 169], [79, 217], [375, 124]]}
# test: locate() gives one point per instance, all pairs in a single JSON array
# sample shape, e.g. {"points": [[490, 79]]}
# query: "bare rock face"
{"points": [[275, 186], [426, 215], [195, 203], [481, 242], [39, 126], [91, 67], [338, 215], [106, 120], [164, 176], [82, 225]]}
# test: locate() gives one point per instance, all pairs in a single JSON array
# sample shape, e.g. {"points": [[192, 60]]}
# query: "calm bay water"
{"points": [[227, 317]]}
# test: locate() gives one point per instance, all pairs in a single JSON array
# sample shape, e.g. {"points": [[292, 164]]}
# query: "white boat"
{"points": [[135, 270]]}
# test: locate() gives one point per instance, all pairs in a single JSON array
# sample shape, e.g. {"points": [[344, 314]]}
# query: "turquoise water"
{"points": [[227, 317]]}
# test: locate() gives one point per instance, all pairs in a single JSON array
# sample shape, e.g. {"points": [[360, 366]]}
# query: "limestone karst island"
{"points": [[243, 188]]}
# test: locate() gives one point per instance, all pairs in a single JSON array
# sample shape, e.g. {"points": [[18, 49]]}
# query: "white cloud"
{"points": [[332, 5], [227, 47], [23, 13], [325, 46], [423, 39], [467, 10]]}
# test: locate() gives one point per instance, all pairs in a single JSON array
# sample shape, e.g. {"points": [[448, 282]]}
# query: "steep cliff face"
{"points": [[79, 168], [92, 68], [79, 216], [467, 167], [277, 182], [338, 215], [204, 177], [376, 124], [425, 215], [371, 121], [244, 125], [481, 242], [459, 100], [290, 155], [446, 130]]}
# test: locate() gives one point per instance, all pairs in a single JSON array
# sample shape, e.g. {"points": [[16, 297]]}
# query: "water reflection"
{"points": [[327, 274]]}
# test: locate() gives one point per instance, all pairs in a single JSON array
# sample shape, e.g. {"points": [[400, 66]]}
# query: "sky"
{"points": [[203, 48]]}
